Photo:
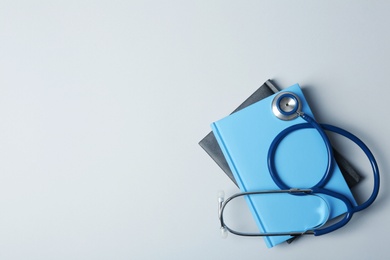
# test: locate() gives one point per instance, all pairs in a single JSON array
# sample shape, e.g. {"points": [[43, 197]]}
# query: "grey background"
{"points": [[102, 104]]}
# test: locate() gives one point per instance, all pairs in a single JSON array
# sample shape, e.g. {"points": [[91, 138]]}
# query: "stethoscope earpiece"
{"points": [[286, 106]]}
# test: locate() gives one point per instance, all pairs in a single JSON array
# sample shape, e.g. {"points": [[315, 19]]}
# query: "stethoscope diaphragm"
{"points": [[286, 106]]}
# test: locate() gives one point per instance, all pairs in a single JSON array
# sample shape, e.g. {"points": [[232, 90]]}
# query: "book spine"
{"points": [[241, 185]]}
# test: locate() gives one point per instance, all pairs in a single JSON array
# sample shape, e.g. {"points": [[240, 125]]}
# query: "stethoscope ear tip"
{"points": [[221, 196], [224, 232]]}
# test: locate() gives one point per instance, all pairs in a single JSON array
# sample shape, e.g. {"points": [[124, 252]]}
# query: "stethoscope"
{"points": [[287, 106]]}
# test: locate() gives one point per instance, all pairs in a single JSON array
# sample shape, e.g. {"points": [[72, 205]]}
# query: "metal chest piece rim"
{"points": [[286, 106]]}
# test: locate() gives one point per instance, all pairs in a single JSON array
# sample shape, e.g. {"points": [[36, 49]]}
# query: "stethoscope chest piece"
{"points": [[286, 106]]}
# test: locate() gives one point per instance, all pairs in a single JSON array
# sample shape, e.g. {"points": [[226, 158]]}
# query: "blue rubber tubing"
{"points": [[318, 188]]}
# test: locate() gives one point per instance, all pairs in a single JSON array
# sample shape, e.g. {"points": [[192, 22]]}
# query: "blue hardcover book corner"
{"points": [[300, 160]]}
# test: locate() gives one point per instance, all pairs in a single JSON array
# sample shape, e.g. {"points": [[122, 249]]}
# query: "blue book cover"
{"points": [[300, 160]]}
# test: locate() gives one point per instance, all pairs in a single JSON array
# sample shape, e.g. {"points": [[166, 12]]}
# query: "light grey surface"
{"points": [[102, 104]]}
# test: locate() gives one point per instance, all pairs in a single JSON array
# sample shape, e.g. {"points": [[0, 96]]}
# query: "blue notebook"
{"points": [[300, 160]]}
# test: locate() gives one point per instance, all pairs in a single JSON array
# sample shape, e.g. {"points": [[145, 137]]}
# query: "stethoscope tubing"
{"points": [[319, 187]]}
